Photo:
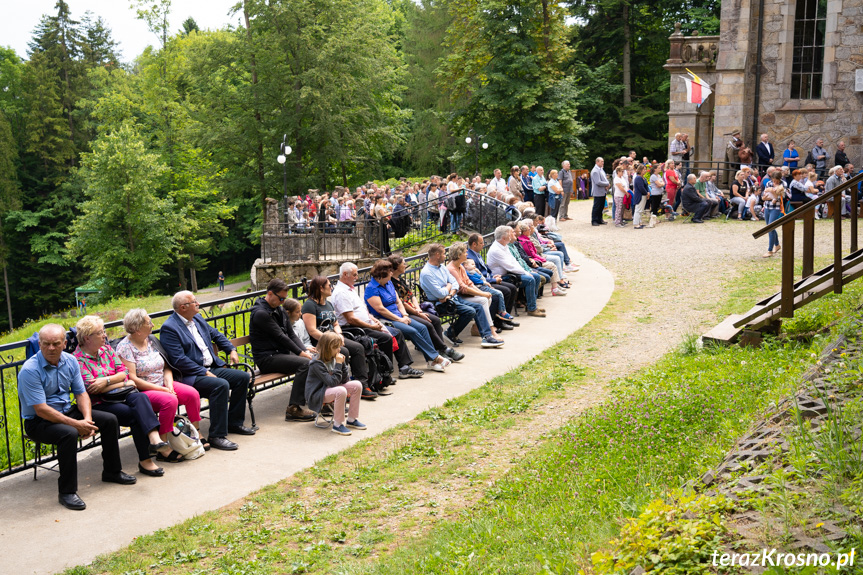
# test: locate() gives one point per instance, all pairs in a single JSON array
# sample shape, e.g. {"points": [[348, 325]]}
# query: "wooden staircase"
{"points": [[766, 314]]}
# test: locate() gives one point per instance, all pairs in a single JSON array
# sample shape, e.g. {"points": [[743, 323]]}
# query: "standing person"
{"points": [[732, 149], [820, 155], [567, 183], [45, 383], [527, 184], [672, 182], [598, 190], [540, 187], [187, 340], [382, 215], [328, 382], [640, 193], [790, 156], [677, 148], [841, 156], [657, 187], [555, 194], [773, 196], [514, 184], [621, 184], [686, 155], [221, 281], [497, 186], [765, 152]]}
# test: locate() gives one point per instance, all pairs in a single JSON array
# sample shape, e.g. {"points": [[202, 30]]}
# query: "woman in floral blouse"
{"points": [[103, 371], [141, 355]]}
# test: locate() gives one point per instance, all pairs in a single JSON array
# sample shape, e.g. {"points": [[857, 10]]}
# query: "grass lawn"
{"points": [[458, 490]]}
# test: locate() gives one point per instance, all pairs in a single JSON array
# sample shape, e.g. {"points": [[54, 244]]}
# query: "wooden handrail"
{"points": [[812, 204]]}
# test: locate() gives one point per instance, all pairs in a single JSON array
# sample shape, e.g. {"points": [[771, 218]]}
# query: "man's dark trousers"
{"points": [[464, 315], [65, 437], [288, 363], [700, 210], [217, 389], [598, 206]]}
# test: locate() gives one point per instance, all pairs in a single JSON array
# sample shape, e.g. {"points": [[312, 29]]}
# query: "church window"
{"points": [[810, 22]]}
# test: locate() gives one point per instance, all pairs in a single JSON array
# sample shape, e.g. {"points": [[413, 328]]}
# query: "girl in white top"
{"points": [[621, 184]]}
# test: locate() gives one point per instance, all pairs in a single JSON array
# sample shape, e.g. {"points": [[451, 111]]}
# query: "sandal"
{"points": [[172, 457], [205, 444]]}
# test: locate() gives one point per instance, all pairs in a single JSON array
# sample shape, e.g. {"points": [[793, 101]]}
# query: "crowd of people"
{"points": [[342, 345]]}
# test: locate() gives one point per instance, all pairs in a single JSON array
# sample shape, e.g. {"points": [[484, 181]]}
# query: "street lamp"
{"points": [[476, 141], [285, 151]]}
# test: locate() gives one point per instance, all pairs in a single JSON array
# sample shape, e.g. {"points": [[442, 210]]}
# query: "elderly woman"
{"points": [[467, 290], [103, 373], [514, 183], [549, 249], [555, 194], [141, 354], [413, 307], [522, 230], [384, 303]]}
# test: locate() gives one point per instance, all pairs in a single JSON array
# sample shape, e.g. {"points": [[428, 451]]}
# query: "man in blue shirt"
{"points": [[475, 244], [441, 287], [44, 384]]}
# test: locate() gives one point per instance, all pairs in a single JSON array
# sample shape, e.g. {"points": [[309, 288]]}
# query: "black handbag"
{"points": [[118, 395]]}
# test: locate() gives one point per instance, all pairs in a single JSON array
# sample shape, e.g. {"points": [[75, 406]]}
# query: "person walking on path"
{"points": [[221, 281], [598, 190]]}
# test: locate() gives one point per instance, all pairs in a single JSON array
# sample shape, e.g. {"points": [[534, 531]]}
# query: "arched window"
{"points": [[810, 22]]}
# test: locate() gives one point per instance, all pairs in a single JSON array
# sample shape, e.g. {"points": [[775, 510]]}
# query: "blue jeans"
{"points": [[497, 305], [419, 335], [464, 314], [455, 221], [224, 410], [557, 259], [562, 249], [544, 271], [478, 316], [530, 288], [771, 216]]}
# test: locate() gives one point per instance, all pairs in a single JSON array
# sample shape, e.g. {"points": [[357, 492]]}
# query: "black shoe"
{"points": [[72, 501], [697, 221], [155, 447], [158, 472], [603, 223], [222, 443], [595, 224], [455, 341], [241, 430], [512, 322], [119, 477], [368, 394], [453, 354], [505, 326]]}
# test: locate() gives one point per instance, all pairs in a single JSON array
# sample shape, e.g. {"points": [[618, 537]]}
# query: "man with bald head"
{"points": [[188, 343], [44, 384]]}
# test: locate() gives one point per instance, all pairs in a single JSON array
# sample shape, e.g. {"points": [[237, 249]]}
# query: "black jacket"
{"points": [[271, 332], [691, 199]]}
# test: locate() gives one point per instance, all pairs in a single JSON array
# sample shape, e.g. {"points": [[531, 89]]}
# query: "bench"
{"points": [[258, 381]]}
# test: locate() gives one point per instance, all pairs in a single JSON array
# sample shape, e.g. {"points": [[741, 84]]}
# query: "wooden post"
{"points": [[787, 303], [808, 243], [854, 216], [837, 247]]}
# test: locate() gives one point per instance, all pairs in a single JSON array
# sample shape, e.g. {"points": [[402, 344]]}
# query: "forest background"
{"points": [[150, 174]]}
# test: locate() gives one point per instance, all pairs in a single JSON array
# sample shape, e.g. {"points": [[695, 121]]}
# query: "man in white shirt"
{"points": [[501, 262], [352, 312], [497, 186]]}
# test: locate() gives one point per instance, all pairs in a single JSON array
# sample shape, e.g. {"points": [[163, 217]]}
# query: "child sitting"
{"points": [[328, 381], [497, 303]]}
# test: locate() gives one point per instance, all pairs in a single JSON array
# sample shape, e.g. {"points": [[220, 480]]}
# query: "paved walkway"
{"points": [[31, 518]]}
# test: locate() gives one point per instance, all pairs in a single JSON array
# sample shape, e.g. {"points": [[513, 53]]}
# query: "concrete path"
{"points": [[37, 535]]}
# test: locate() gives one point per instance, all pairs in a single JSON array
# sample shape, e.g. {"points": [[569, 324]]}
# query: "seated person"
{"points": [[503, 263], [551, 243], [442, 288], [328, 382], [544, 274], [497, 302], [692, 200], [799, 191], [277, 349], [293, 309], [352, 312], [141, 353], [384, 303], [738, 194], [475, 245], [558, 284], [470, 292], [187, 340], [415, 310], [319, 317], [103, 372], [45, 383]]}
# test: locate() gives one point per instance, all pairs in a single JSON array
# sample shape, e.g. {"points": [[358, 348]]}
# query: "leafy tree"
{"points": [[9, 199], [189, 26], [125, 233]]}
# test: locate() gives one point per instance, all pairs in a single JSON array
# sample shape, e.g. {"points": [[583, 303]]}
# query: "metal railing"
{"points": [[812, 285], [230, 316]]}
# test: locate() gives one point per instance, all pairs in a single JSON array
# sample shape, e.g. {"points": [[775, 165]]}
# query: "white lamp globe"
{"points": [[288, 150], [467, 140], [281, 159], [485, 145]]}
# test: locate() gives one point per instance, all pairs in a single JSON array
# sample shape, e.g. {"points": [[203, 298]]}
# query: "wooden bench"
{"points": [[258, 381]]}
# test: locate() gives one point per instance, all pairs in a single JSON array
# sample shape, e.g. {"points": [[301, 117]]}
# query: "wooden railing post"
{"points": [[808, 243], [787, 305], [854, 215], [837, 245]]}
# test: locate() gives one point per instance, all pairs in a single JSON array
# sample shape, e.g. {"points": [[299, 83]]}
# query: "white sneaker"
{"points": [[558, 291], [570, 268], [438, 367]]}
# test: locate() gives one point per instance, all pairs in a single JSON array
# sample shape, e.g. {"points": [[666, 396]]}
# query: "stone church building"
{"points": [[786, 68]]}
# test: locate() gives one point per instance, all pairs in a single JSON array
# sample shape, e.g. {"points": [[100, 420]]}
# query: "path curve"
{"points": [[29, 510]]}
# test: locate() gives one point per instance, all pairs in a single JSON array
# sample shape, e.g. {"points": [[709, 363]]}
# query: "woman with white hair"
{"points": [[141, 354], [108, 385]]}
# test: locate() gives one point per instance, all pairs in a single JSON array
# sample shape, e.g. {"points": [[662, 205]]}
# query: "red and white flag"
{"points": [[697, 90]]}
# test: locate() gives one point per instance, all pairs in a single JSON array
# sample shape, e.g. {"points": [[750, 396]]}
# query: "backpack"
{"points": [[71, 340], [459, 205], [380, 366], [809, 159]]}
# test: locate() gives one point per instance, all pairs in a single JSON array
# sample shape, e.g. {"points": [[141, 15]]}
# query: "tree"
{"points": [[189, 26], [9, 198], [126, 233]]}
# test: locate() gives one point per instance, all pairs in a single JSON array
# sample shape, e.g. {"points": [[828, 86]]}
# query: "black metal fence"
{"points": [[229, 315]]}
